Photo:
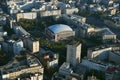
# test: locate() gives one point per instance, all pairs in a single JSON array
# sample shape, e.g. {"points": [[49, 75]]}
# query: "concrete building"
{"points": [[83, 29], [8, 47], [108, 35], [31, 44], [48, 57], [20, 32], [17, 47], [94, 65], [65, 69], [107, 2], [92, 53], [73, 53], [15, 6], [2, 19], [12, 47], [73, 19], [49, 13], [105, 54], [114, 56], [29, 15], [105, 34], [59, 32], [15, 69], [112, 73]]}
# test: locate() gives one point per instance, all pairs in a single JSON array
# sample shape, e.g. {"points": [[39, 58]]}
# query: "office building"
{"points": [[74, 53]]}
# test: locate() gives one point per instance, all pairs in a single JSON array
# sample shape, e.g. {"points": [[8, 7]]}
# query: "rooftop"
{"points": [[57, 28], [16, 65], [74, 43], [107, 31]]}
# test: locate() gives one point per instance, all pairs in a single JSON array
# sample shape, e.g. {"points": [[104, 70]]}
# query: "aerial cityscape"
{"points": [[59, 39]]}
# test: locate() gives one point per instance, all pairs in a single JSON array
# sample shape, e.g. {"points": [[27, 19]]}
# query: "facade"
{"points": [[2, 19], [17, 47], [83, 29], [12, 47], [73, 54], [14, 70], [29, 15], [104, 53], [114, 56], [108, 35], [31, 44], [49, 13], [95, 65], [65, 69], [48, 58], [59, 32], [21, 5], [92, 53], [20, 32], [112, 73], [70, 11]]}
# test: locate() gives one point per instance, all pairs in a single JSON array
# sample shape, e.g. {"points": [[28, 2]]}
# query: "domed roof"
{"points": [[59, 28]]}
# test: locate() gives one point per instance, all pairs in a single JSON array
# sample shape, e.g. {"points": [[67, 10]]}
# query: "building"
{"points": [[95, 52], [47, 13], [67, 8], [59, 32], [73, 53], [94, 65], [17, 47], [65, 73], [7, 47], [114, 56], [20, 5], [107, 2], [83, 29], [65, 69], [27, 66], [19, 31], [112, 73], [110, 54], [48, 57], [29, 15], [108, 35], [73, 19], [31, 44], [2, 19], [12, 47]]}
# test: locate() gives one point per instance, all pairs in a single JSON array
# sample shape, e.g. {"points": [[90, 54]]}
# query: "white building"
{"points": [[59, 32], [15, 6], [29, 15], [49, 13], [73, 53], [92, 53]]}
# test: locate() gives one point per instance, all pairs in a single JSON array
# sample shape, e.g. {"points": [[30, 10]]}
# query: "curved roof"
{"points": [[59, 28]]}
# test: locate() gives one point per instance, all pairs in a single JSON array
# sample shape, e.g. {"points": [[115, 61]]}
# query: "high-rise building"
{"points": [[73, 53]]}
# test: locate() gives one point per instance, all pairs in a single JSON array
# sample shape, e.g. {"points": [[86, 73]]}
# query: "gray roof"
{"points": [[57, 28]]}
